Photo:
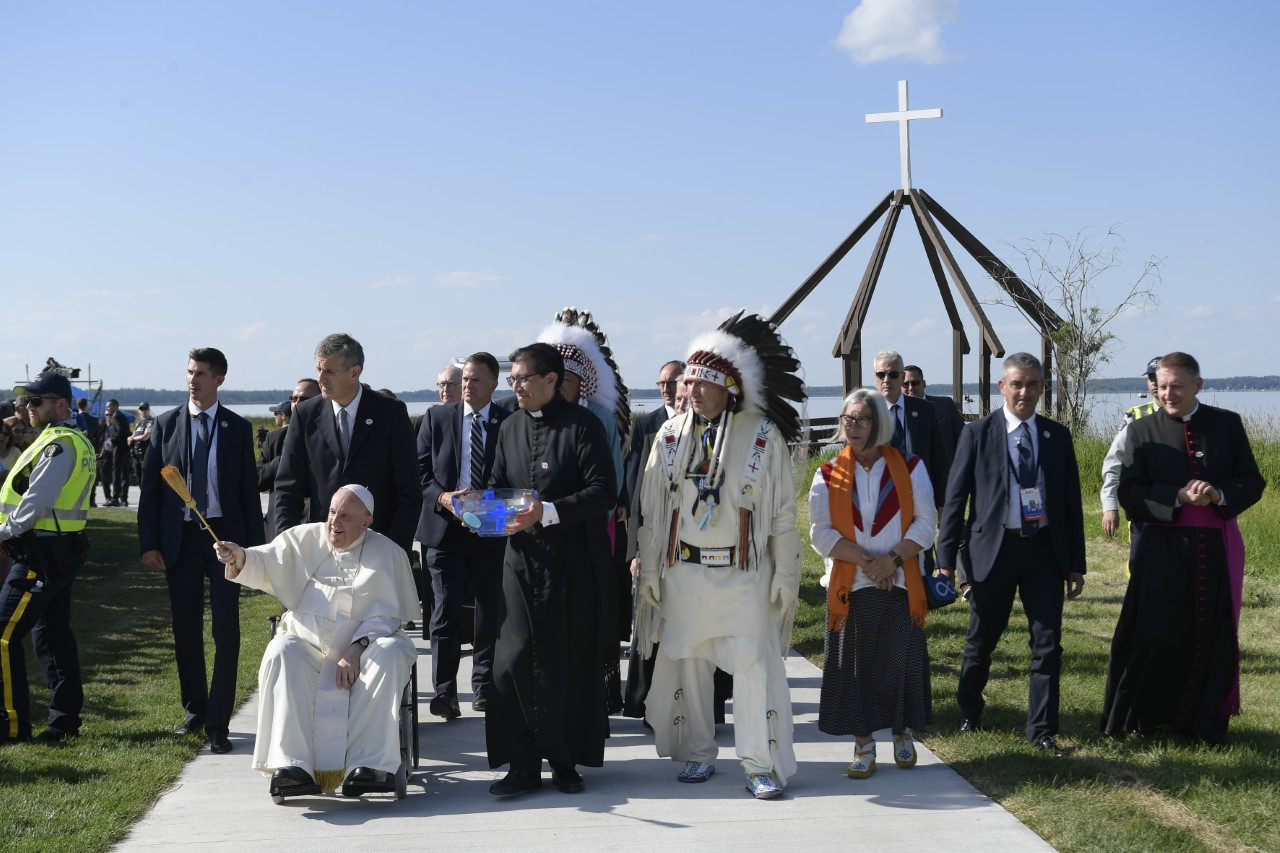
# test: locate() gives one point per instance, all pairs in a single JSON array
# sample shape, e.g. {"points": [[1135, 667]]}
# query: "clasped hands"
{"points": [[878, 568], [1199, 493]]}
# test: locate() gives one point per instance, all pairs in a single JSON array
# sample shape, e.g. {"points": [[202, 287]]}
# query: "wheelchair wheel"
{"points": [[402, 778], [277, 799]]}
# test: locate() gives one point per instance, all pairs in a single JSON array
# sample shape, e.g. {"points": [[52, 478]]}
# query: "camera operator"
{"points": [[43, 509]]}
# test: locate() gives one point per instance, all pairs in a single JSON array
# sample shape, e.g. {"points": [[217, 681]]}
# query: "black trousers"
{"points": [[464, 563], [203, 700], [1026, 567], [36, 600]]}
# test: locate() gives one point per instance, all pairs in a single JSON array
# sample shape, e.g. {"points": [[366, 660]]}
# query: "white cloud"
{"points": [[879, 30], [920, 327], [1276, 298], [391, 281], [467, 278], [1198, 312], [247, 333]]}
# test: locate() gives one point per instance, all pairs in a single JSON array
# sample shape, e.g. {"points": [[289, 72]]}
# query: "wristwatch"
{"points": [[897, 559], [362, 642]]}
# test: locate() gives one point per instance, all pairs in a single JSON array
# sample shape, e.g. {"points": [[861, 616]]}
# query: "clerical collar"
{"points": [[1191, 414], [533, 414]]}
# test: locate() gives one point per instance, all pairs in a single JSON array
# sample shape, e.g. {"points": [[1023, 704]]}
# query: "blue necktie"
{"points": [[1026, 471], [200, 464], [477, 452], [344, 434], [899, 439]]}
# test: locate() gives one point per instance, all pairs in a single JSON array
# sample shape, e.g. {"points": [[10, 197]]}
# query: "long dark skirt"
{"points": [[876, 672]]}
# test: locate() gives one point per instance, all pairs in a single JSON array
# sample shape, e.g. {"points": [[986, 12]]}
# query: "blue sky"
{"points": [[436, 178]]}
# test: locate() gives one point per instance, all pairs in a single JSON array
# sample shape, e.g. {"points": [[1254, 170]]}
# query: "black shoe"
{"points": [[54, 736], [195, 727], [293, 782], [445, 705], [219, 744], [1049, 746], [567, 778], [970, 724], [112, 503], [516, 782], [479, 703], [366, 780]]}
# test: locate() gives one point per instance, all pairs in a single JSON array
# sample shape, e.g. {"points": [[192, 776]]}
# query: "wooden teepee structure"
{"points": [[928, 215]]}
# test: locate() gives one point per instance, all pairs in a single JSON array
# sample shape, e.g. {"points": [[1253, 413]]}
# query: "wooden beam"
{"points": [[815, 278], [984, 378], [862, 299], [1018, 290], [944, 289], [920, 206], [957, 367]]}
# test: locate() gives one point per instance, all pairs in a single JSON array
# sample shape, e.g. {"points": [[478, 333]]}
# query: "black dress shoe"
{"points": [[366, 780], [195, 727], [479, 703], [516, 782], [219, 744], [445, 705], [54, 736], [970, 724], [293, 782], [1049, 745], [567, 778]]}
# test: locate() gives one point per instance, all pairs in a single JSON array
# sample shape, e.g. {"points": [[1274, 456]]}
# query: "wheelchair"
{"points": [[409, 754]]}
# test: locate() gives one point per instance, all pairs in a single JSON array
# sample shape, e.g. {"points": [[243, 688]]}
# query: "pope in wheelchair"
{"points": [[332, 677]]}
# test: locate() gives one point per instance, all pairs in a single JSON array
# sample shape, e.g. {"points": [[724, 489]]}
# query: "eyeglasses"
{"points": [[32, 402], [851, 421], [448, 384], [892, 374], [912, 383], [520, 381], [668, 383]]}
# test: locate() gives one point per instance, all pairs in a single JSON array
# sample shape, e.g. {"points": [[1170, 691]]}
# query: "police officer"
{"points": [[43, 509]]}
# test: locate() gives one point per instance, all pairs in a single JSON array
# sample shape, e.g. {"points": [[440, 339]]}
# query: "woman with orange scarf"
{"points": [[871, 511]]}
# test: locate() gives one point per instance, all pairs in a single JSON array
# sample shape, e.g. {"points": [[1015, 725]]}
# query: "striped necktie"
{"points": [[477, 452]]}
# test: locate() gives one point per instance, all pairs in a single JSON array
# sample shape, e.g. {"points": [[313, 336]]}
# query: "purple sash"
{"points": [[1233, 542]]}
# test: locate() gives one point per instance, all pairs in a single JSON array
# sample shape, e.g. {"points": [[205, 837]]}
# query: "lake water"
{"points": [[1108, 409]]}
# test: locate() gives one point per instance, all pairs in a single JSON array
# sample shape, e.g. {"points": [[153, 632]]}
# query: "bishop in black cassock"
{"points": [[547, 699], [1175, 656]]}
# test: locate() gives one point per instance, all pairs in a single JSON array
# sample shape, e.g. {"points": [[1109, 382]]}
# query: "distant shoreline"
{"points": [[130, 397]]}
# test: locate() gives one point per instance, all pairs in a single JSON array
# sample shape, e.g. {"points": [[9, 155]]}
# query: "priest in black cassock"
{"points": [[1188, 472], [547, 699]]}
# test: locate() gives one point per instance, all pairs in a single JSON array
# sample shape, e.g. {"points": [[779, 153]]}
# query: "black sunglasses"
{"points": [[892, 374], [33, 401], [913, 383]]}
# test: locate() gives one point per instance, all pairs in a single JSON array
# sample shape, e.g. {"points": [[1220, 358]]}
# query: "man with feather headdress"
{"points": [[720, 556]]}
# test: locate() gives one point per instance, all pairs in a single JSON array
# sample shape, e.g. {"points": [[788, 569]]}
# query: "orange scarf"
{"points": [[843, 573]]}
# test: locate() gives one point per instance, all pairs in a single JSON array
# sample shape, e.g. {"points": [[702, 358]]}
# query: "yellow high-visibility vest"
{"points": [[71, 509]]}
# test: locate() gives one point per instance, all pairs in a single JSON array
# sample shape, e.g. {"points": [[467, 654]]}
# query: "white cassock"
{"points": [[332, 597]]}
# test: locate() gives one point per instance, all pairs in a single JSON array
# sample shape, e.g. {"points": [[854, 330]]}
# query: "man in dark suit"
{"points": [[92, 429], [952, 422], [1016, 473], [640, 671], [456, 443], [213, 448], [269, 459], [349, 434], [115, 456], [916, 427]]}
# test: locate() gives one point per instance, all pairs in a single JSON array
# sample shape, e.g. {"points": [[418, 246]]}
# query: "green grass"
{"points": [[1132, 795], [85, 795]]}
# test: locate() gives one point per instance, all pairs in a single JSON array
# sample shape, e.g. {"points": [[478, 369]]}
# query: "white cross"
{"points": [[902, 116]]}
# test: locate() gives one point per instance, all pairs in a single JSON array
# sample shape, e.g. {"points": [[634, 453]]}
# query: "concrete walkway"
{"points": [[632, 803]]}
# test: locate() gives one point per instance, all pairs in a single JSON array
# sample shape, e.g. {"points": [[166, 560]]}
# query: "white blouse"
{"points": [[824, 537]]}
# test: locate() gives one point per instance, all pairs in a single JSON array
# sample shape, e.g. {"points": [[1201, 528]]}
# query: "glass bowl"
{"points": [[487, 512]]}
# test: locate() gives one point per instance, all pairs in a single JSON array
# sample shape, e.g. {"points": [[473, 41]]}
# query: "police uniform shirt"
{"points": [[48, 476]]}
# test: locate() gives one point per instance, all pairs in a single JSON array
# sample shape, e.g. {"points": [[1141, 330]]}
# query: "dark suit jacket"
{"points": [[119, 430], [980, 479], [440, 440], [642, 434], [160, 512], [926, 441], [380, 458], [951, 420], [268, 463]]}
